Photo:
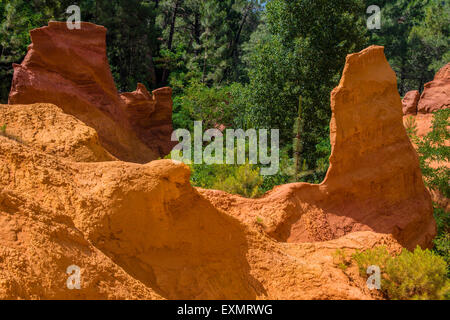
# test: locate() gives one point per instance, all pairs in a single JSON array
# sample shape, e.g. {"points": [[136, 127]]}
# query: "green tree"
{"points": [[434, 153], [415, 35], [301, 51], [18, 17], [207, 37], [433, 33], [131, 40]]}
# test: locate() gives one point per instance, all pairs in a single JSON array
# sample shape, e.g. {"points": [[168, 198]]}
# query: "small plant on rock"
{"points": [[259, 221], [341, 259]]}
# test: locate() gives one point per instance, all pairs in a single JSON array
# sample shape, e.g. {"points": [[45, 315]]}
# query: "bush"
{"points": [[434, 154], [199, 102], [341, 259], [421, 274], [442, 248], [442, 241], [374, 257], [244, 181], [432, 149]]}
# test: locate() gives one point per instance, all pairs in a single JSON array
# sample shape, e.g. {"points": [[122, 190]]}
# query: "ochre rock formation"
{"points": [[69, 68], [374, 181], [47, 128], [410, 102], [436, 94], [143, 232], [150, 115]]}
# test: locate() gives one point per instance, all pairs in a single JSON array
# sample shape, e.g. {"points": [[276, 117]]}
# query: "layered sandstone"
{"points": [[142, 231], [69, 68]]}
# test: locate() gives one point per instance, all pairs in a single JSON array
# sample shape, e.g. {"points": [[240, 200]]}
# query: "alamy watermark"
{"points": [[258, 151], [374, 280], [74, 279], [374, 21], [74, 20]]}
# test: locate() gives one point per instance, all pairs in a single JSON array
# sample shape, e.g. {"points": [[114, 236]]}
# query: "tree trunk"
{"points": [[153, 79], [298, 145], [165, 75], [235, 40], [204, 65], [197, 33]]}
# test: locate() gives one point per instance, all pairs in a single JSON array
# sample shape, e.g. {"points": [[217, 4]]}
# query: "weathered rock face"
{"points": [[367, 130], [436, 94], [410, 102], [142, 231], [150, 115], [69, 68]]}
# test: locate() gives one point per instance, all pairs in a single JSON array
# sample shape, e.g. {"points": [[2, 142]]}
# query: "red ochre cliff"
{"points": [[69, 68]]}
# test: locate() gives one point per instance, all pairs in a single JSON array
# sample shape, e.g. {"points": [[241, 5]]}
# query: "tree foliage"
{"points": [[415, 35], [301, 50]]}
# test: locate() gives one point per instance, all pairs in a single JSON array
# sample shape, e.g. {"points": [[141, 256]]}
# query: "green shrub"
{"points": [[442, 240], [442, 248], [416, 275], [433, 149], [245, 181], [374, 257], [434, 153], [421, 274], [199, 102], [3, 129]]}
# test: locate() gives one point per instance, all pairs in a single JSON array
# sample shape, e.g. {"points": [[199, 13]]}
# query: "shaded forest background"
{"points": [[244, 63]]}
